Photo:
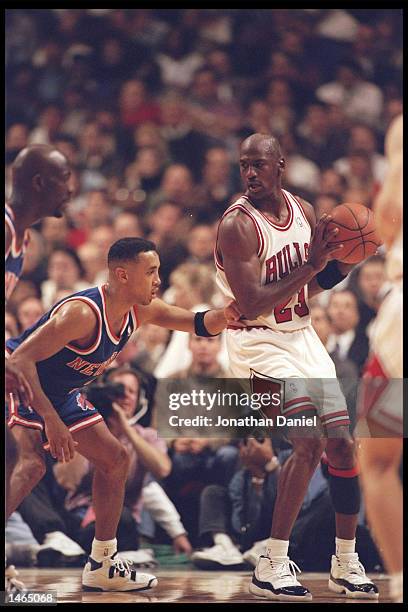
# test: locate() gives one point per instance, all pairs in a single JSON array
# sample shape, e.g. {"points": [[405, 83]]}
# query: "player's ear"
{"points": [[38, 183], [121, 274], [281, 165]]}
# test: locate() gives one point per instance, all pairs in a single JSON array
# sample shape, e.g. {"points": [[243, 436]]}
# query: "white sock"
{"points": [[223, 539], [396, 587], [102, 549], [277, 548], [345, 547]]}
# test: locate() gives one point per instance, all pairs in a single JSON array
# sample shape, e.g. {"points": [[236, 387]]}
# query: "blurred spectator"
{"points": [[317, 139], [68, 145], [333, 184], [54, 232], [346, 341], [103, 237], [93, 263], [49, 125], [29, 311], [359, 176], [301, 174], [97, 156], [363, 138], [177, 185], [126, 224], [151, 343], [186, 145], [146, 171], [64, 272], [192, 286], [167, 226], [257, 118], [200, 244], [217, 185], [358, 97], [178, 60], [16, 139], [370, 284], [211, 115], [24, 289], [135, 107], [280, 100]]}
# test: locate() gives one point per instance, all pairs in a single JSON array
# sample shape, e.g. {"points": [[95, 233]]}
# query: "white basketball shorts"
{"points": [[297, 355]]}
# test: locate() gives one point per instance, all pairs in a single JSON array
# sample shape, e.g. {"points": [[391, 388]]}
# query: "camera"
{"points": [[102, 396]]}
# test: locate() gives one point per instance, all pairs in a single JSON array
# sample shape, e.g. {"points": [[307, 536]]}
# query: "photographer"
{"points": [[122, 403]]}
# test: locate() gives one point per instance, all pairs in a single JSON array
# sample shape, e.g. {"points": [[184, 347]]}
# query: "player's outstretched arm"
{"points": [[175, 318], [74, 322]]}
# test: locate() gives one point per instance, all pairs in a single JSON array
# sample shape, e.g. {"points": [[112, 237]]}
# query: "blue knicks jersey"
{"points": [[14, 258], [72, 368]]}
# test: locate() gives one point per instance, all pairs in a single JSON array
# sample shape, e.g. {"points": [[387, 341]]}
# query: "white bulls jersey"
{"points": [[281, 249]]}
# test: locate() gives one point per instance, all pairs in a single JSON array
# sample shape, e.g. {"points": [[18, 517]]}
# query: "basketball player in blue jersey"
{"points": [[66, 349], [271, 256], [40, 188]]}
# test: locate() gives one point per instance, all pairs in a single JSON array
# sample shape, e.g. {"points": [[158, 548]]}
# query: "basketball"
{"points": [[355, 223]]}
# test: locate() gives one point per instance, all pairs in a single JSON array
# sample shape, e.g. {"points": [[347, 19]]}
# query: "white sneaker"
{"points": [[13, 584], [114, 574], [59, 549], [252, 555], [144, 557], [218, 557], [276, 579], [348, 577]]}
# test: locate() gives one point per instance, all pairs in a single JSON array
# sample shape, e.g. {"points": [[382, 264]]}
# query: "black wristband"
{"points": [[199, 327], [330, 276]]}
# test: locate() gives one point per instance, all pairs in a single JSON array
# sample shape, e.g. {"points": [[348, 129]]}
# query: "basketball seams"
{"points": [[360, 228]]}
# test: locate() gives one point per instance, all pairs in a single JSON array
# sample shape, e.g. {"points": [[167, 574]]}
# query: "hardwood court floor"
{"points": [[182, 586]]}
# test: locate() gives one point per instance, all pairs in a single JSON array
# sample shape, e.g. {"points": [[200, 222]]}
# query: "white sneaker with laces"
{"points": [[114, 574], [348, 577], [276, 579], [218, 557], [62, 543], [252, 555]]}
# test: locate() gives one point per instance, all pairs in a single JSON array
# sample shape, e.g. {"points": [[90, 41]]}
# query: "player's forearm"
{"points": [[40, 402], [215, 321], [263, 299]]}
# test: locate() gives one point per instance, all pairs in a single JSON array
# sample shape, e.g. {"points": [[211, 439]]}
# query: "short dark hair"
{"points": [[127, 249]]}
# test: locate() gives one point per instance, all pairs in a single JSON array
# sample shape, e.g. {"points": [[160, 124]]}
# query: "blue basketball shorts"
{"points": [[74, 410]]}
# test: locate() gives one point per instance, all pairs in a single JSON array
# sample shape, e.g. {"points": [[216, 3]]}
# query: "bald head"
{"points": [[40, 175], [262, 142], [36, 159]]}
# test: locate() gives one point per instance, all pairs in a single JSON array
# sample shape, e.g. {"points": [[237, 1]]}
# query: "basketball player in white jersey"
{"points": [[381, 455], [271, 256]]}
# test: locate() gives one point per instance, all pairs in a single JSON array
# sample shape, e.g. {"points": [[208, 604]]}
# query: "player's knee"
{"points": [[309, 450], [116, 463], [341, 452]]}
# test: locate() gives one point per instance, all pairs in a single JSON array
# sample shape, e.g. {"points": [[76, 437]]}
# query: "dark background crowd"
{"points": [[149, 106]]}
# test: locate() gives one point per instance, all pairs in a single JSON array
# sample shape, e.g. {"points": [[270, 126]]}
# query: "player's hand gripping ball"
{"points": [[355, 223]]}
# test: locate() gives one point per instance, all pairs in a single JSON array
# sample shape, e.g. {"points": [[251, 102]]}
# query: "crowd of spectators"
{"points": [[149, 106]]}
